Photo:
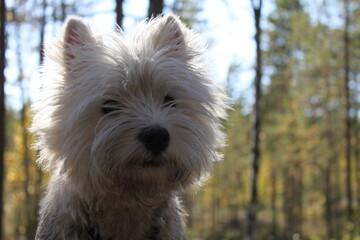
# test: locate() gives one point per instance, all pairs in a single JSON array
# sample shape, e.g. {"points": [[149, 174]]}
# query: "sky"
{"points": [[229, 28]]}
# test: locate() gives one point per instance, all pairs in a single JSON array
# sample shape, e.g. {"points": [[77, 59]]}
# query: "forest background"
{"points": [[291, 168]]}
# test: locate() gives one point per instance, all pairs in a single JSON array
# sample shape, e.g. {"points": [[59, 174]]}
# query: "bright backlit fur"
{"points": [[100, 184]]}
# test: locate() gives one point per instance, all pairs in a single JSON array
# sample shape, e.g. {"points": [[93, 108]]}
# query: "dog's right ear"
{"points": [[75, 35], [169, 34]]}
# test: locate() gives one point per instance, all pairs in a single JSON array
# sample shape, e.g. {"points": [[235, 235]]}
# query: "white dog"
{"points": [[125, 123]]}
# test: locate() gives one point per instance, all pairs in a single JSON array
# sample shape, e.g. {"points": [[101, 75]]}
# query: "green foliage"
{"points": [[19, 211], [302, 166]]}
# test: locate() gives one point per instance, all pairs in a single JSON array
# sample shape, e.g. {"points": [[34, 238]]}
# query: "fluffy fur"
{"points": [[99, 93]]}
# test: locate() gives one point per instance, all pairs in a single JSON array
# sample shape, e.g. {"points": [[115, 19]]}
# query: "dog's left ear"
{"points": [[169, 34], [76, 34]]}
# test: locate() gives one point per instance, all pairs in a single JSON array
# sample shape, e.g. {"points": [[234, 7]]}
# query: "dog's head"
{"points": [[130, 109]]}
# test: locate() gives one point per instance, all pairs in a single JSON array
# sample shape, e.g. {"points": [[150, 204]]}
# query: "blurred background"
{"points": [[291, 168]]}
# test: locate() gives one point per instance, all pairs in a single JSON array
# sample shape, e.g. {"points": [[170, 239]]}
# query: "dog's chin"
{"points": [[158, 173]]}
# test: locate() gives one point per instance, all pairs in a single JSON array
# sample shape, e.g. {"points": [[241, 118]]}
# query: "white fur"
{"points": [[96, 158]]}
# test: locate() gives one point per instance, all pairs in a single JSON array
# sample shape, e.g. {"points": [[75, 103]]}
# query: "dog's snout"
{"points": [[155, 139]]}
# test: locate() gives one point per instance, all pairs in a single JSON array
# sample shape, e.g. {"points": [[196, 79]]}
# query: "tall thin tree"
{"points": [[63, 10], [2, 106], [155, 8], [347, 109], [42, 31], [119, 13], [256, 124]]}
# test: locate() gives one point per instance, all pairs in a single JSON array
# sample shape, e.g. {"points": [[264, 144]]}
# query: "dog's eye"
{"points": [[109, 106], [169, 101]]}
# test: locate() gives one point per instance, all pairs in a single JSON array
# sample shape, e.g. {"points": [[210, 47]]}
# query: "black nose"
{"points": [[155, 139]]}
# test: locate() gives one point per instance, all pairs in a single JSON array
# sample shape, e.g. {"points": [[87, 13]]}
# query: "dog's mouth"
{"points": [[152, 163]]}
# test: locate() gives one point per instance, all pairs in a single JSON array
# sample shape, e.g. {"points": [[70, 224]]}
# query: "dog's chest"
{"points": [[140, 223], [152, 234]]}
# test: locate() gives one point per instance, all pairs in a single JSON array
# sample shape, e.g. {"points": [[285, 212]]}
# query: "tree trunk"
{"points": [[42, 32], [2, 108], [63, 10], [256, 127], [329, 168], [287, 206], [155, 8], [357, 157], [119, 13], [347, 109], [328, 201], [273, 202], [298, 196]]}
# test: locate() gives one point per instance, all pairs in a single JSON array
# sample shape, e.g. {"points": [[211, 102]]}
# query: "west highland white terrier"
{"points": [[124, 123]]}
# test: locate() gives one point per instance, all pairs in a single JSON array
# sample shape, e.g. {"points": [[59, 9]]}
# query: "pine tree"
{"points": [[347, 120], [256, 124], [119, 13], [155, 8], [283, 115]]}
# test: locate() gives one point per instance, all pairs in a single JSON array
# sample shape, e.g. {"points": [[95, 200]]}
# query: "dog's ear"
{"points": [[169, 34], [75, 35]]}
